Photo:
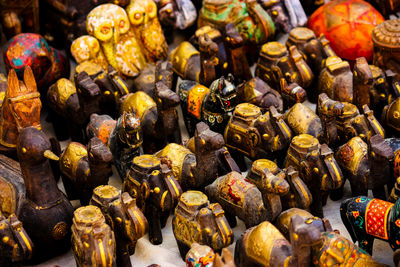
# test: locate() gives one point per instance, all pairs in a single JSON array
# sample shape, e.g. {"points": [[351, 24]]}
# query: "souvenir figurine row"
{"points": [[121, 108]]}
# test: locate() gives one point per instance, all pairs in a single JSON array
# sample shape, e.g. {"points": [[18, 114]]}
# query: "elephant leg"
{"points": [[69, 188], [337, 194], [316, 205], [176, 136], [358, 187], [163, 219], [61, 128], [324, 197], [231, 218], [366, 242], [155, 234], [123, 257], [239, 159]]}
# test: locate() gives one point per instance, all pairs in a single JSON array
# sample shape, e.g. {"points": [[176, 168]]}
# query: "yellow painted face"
{"points": [[85, 48], [107, 21], [141, 11]]}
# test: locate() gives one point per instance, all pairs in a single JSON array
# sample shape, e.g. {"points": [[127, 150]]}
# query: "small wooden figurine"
{"points": [[195, 170], [200, 256], [85, 168], [259, 25], [277, 11], [21, 108], [123, 137], [16, 246], [277, 62], [46, 213], [93, 241], [125, 218], [111, 26], [211, 105], [30, 49], [369, 218], [303, 120], [195, 214], [317, 167], [152, 182], [257, 135], [178, 14], [87, 48], [386, 48]]}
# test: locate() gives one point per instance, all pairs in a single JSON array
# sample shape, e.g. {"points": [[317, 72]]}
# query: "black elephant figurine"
{"points": [[369, 218], [85, 168], [151, 181], [123, 137]]}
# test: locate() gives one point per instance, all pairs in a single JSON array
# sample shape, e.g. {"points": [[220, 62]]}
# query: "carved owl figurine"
{"points": [[87, 48], [144, 21], [109, 24]]}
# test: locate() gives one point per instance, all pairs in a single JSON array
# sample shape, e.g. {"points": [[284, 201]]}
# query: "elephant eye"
{"points": [[121, 24], [105, 30], [275, 13], [138, 16]]}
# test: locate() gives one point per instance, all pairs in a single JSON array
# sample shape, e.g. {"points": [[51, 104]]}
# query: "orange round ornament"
{"points": [[348, 25]]}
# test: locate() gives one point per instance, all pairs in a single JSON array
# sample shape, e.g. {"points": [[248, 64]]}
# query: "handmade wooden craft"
{"points": [[93, 241], [198, 169], [348, 26], [311, 244], [252, 203], [336, 79], [342, 121], [366, 165], [259, 25], [21, 108], [3, 88], [16, 246], [147, 29], [303, 120], [317, 167], [195, 214], [200, 256], [84, 168], [125, 218], [152, 182], [283, 221], [264, 171], [386, 49], [19, 16], [211, 105], [179, 14], [276, 62], [46, 213], [369, 218], [111, 26], [313, 49], [259, 93], [277, 11], [30, 49], [257, 135], [87, 48], [123, 137]]}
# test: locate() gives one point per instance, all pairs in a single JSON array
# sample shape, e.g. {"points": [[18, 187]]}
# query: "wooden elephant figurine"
{"points": [[21, 108], [123, 137], [317, 167], [342, 121], [211, 105], [298, 195], [85, 168], [251, 203], [125, 218], [336, 80], [277, 11], [152, 183], [257, 92], [276, 62], [195, 170], [194, 213], [312, 242], [367, 166], [369, 218], [257, 135], [46, 213], [93, 241], [176, 14], [303, 120], [16, 246]]}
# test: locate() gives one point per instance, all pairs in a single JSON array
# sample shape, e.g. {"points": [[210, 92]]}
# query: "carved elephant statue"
{"points": [[152, 183]]}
